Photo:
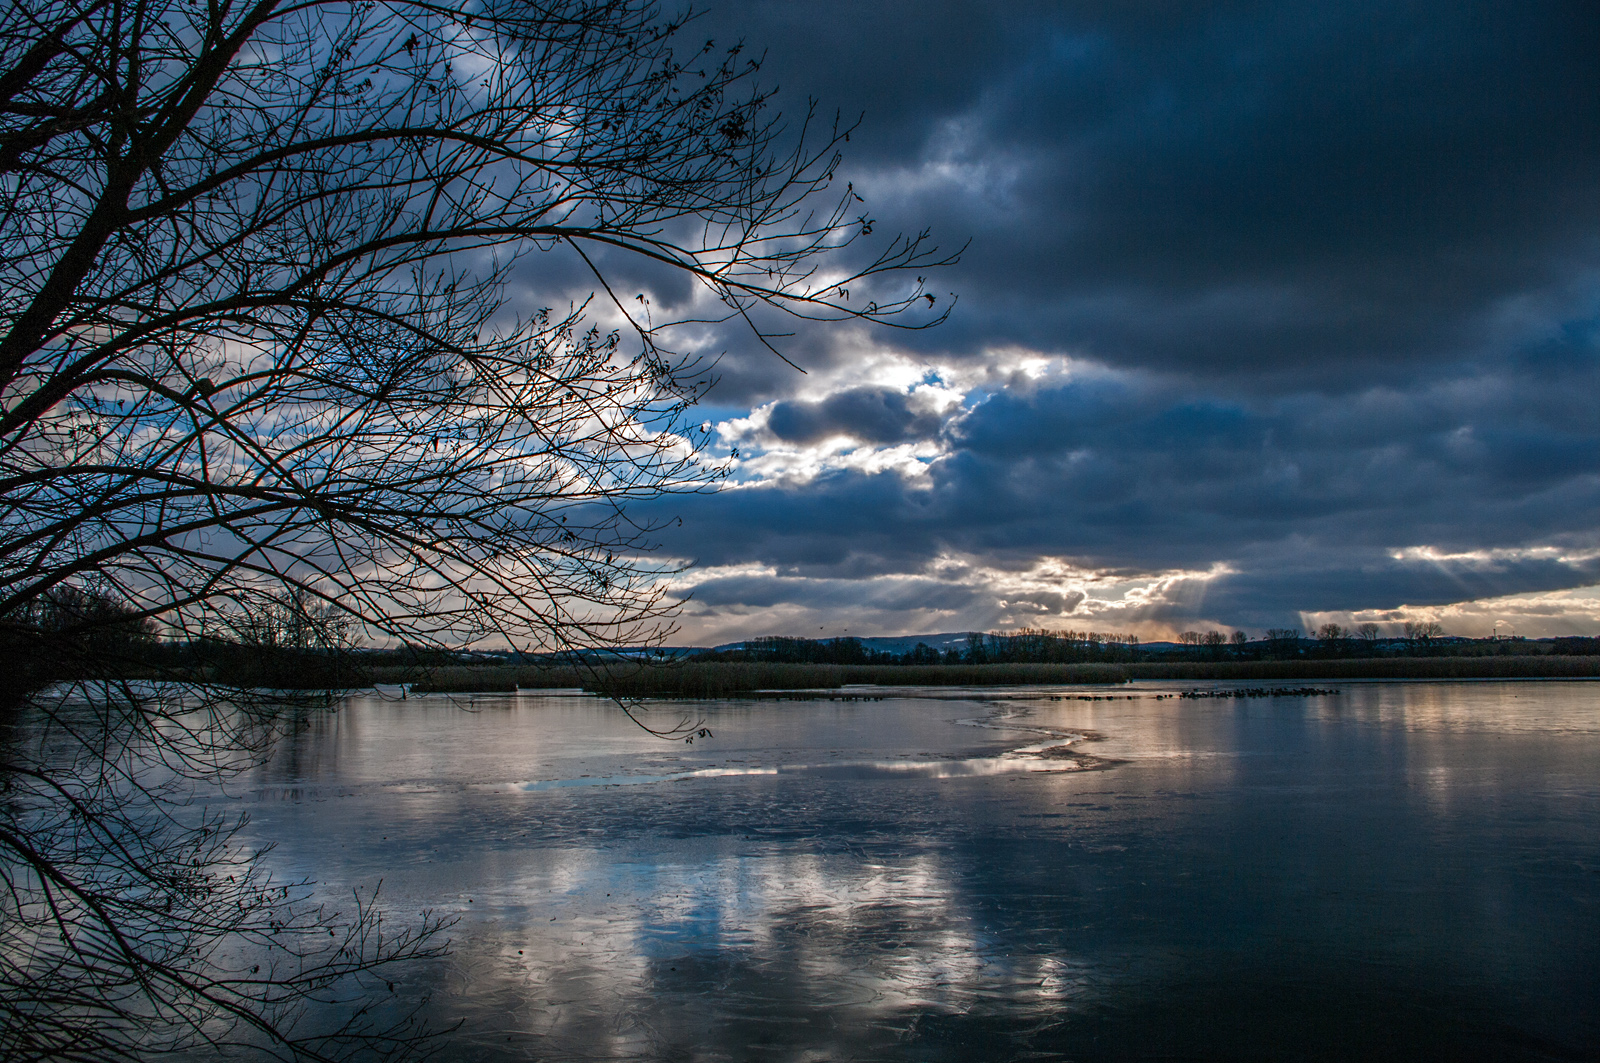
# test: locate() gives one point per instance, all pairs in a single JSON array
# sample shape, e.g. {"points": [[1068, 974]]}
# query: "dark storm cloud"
{"points": [[1226, 188], [833, 594], [872, 415], [1307, 498], [1337, 263], [1270, 595]]}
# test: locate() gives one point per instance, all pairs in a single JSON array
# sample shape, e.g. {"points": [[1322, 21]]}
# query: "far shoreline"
{"points": [[712, 679]]}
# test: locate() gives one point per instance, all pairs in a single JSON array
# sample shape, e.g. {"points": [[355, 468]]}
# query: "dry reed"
{"points": [[716, 679]]}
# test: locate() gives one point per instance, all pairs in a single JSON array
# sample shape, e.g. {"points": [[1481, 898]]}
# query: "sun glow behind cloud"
{"points": [[950, 594], [1237, 345], [911, 425], [936, 394]]}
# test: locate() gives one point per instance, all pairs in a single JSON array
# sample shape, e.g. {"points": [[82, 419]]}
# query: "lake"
{"points": [[1393, 871]]}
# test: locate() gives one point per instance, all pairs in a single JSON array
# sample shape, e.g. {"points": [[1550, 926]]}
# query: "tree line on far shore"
{"points": [[1040, 646], [290, 641]]}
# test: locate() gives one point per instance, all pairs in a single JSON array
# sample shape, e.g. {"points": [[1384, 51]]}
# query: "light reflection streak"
{"points": [[1054, 755], [808, 888], [787, 936], [1021, 760]]}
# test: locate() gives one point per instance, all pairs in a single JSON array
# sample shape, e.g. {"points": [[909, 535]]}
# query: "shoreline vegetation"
{"points": [[83, 637], [693, 679]]}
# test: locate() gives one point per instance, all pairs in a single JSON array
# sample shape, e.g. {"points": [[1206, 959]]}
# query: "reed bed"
{"points": [[455, 678], [1528, 667], [984, 675], [720, 679], [636, 679], [715, 679]]}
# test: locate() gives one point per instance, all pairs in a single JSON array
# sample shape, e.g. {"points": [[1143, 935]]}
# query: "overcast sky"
{"points": [[1273, 314]]}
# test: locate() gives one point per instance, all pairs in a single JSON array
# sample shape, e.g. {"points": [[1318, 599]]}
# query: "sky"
{"points": [[1270, 315]]}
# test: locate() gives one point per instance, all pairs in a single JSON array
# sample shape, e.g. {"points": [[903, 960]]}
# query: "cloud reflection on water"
{"points": [[838, 951], [817, 883]]}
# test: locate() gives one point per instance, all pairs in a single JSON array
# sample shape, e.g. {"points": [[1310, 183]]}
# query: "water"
{"points": [[1397, 871]]}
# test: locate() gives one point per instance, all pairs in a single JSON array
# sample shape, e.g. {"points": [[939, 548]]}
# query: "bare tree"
{"points": [[255, 322], [135, 921], [1369, 632], [260, 364], [1422, 633], [1283, 641]]}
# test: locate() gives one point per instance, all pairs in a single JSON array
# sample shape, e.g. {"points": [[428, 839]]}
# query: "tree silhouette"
{"points": [[256, 324], [266, 344]]}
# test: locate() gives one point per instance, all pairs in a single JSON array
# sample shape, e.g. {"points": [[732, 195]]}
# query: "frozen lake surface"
{"points": [[1396, 871]]}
